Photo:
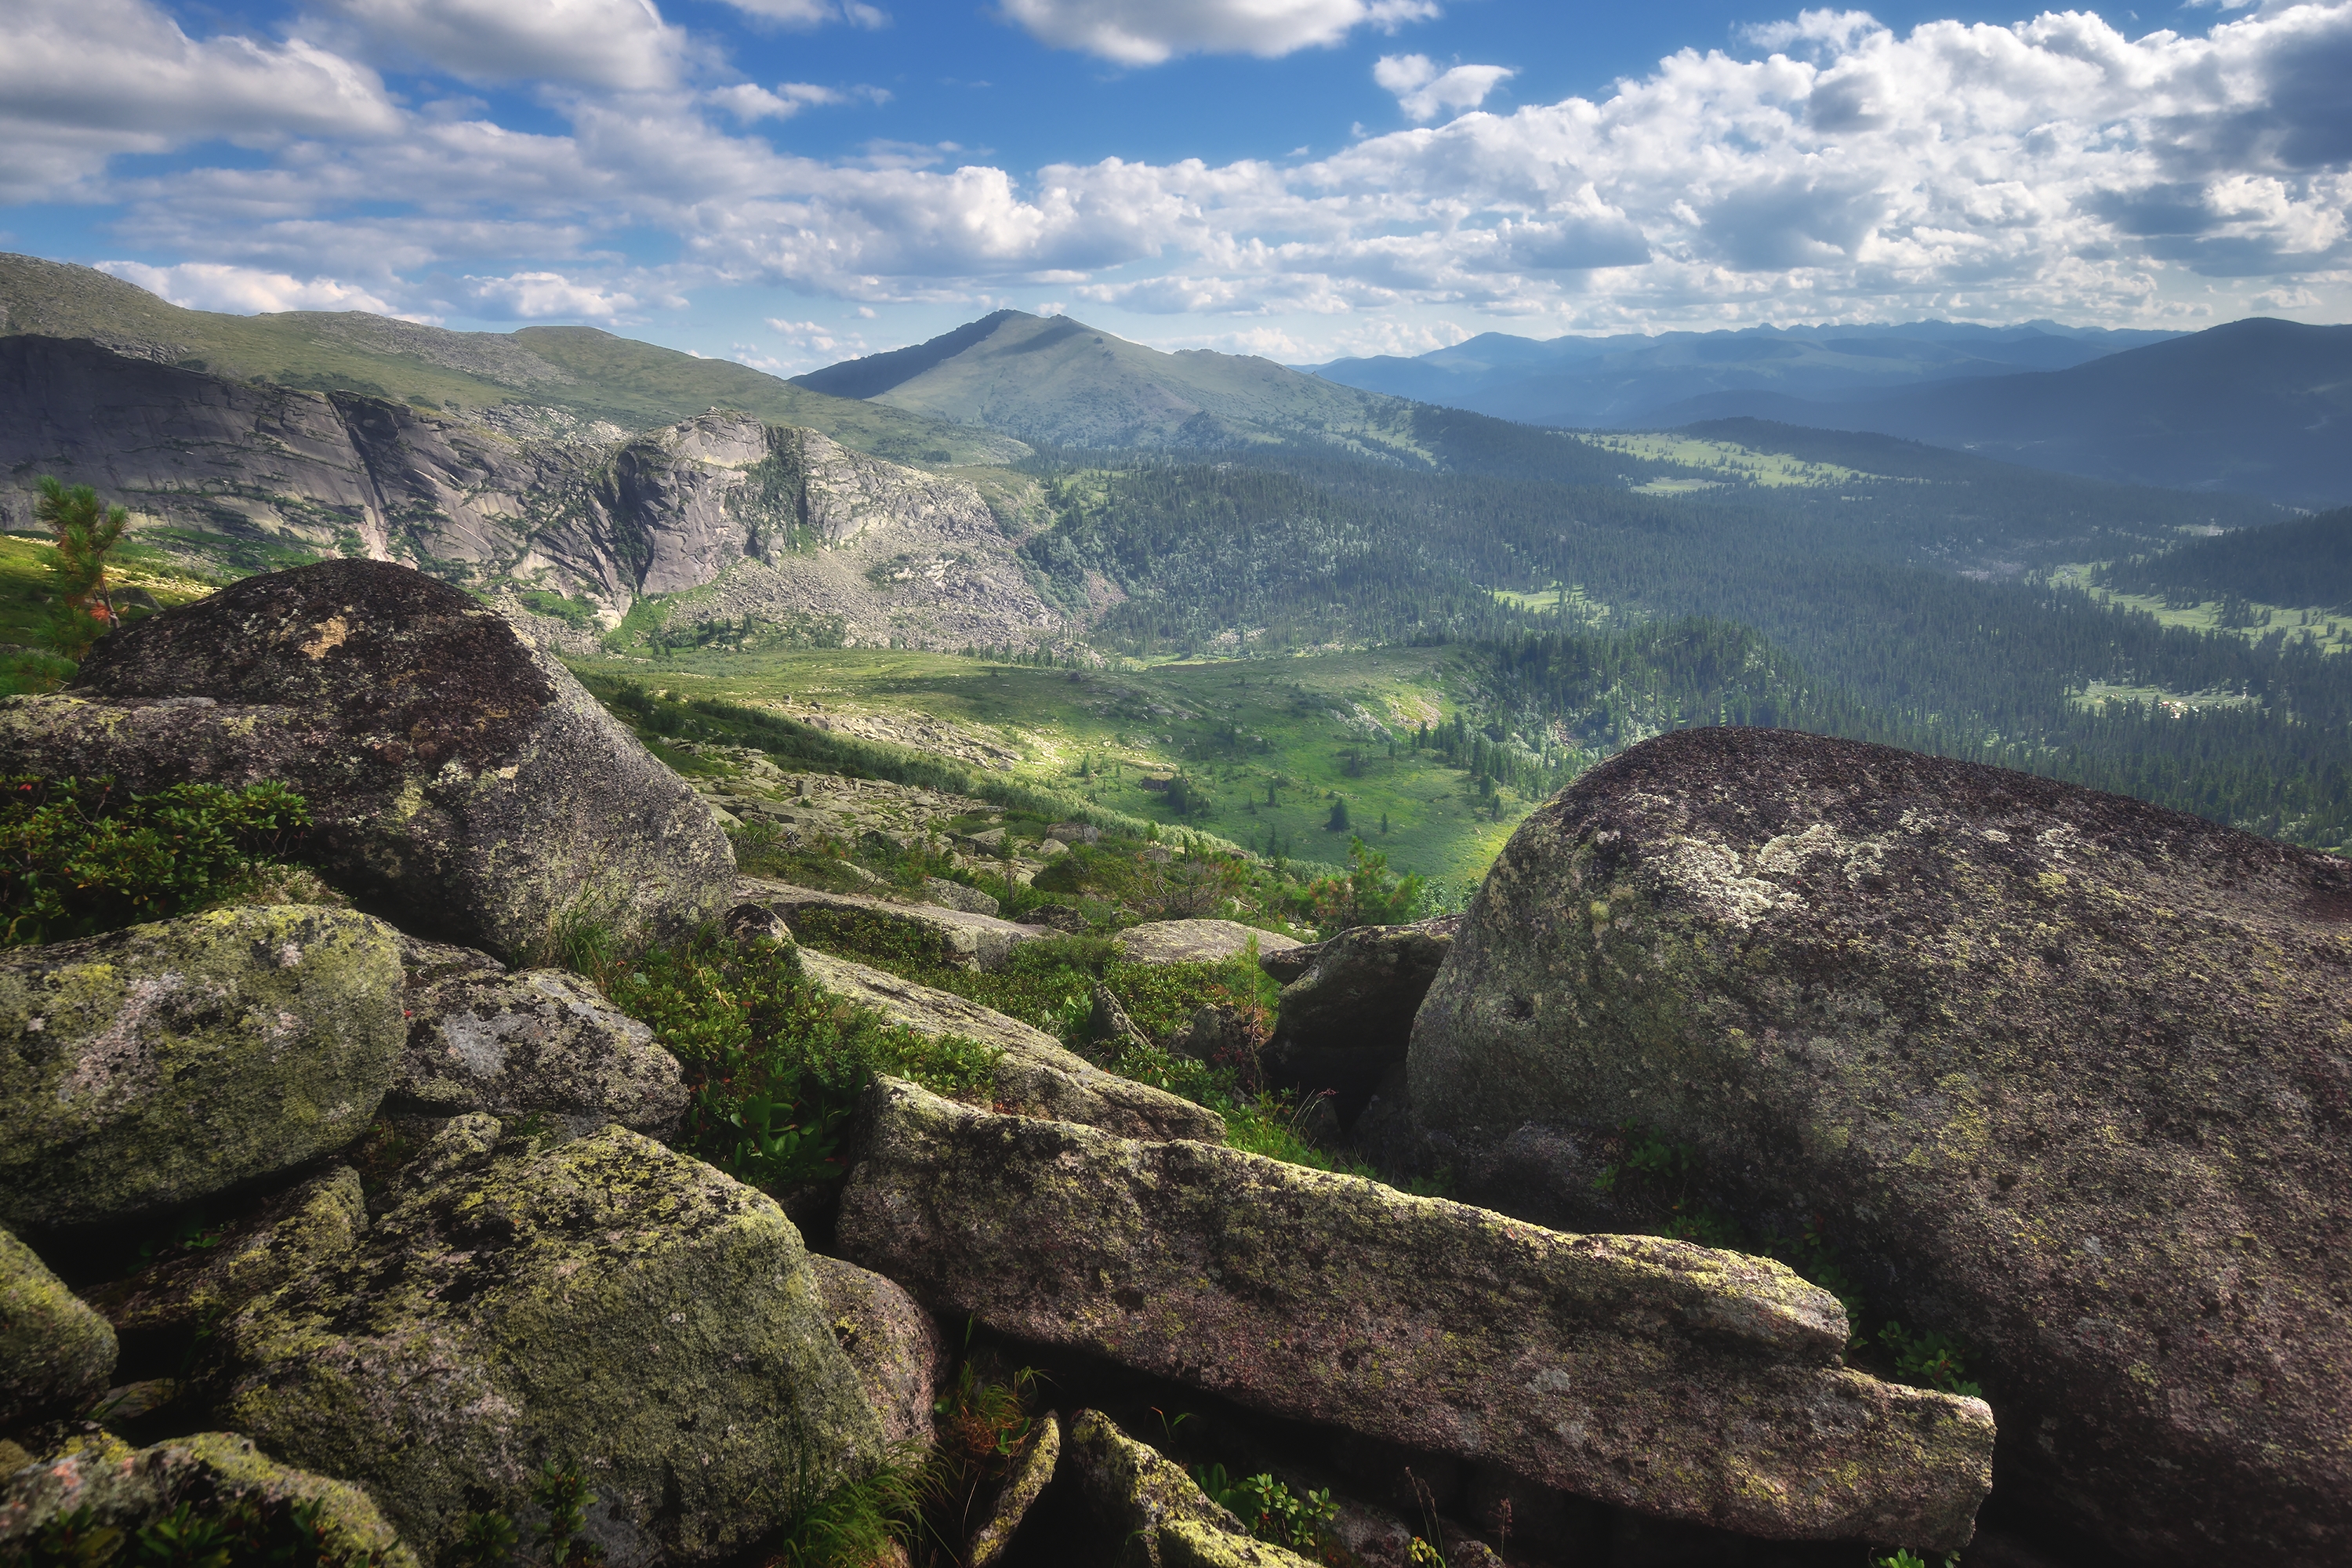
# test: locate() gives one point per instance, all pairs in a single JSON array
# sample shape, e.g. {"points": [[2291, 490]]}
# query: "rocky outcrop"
{"points": [[1346, 1016], [1197, 941], [1651, 1373], [543, 1042], [205, 1473], [310, 1224], [893, 1345], [153, 1066], [2064, 1076], [458, 781], [56, 1353], [605, 1304], [1035, 1075], [954, 937]]}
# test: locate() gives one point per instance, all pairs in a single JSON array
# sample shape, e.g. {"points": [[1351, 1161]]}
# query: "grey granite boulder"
{"points": [[460, 781], [1658, 1376], [154, 1066], [56, 1352], [893, 1343], [603, 1303], [312, 1223], [2063, 1076], [1346, 1017], [953, 937], [1196, 941]]}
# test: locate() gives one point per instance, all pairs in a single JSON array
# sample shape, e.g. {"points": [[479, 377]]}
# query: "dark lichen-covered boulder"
{"points": [[1651, 1373], [159, 1065], [313, 1222], [2064, 1076], [461, 782], [894, 1344], [1136, 1492], [541, 1042], [207, 1474], [605, 1304], [56, 1352], [1347, 1016]]}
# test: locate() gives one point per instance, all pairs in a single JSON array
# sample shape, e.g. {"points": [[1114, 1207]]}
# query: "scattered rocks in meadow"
{"points": [[56, 1352], [603, 1303], [1346, 1017], [460, 781], [162, 1064], [1030, 1475], [956, 896], [1036, 1076], [125, 1492], [2064, 1076], [1651, 1373], [1109, 1026], [953, 936], [1075, 833], [893, 1345], [1196, 941], [542, 1042]]}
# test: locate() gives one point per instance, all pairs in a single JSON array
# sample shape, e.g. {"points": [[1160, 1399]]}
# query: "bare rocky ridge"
{"points": [[782, 525]]}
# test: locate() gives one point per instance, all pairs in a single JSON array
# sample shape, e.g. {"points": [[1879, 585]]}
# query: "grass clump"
{"points": [[82, 856], [774, 1062]]}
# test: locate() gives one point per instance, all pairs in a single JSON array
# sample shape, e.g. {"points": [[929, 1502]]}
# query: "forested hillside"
{"points": [[2307, 564]]}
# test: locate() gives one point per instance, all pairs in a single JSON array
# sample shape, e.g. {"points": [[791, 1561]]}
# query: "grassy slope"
{"points": [[593, 373], [1105, 720]]}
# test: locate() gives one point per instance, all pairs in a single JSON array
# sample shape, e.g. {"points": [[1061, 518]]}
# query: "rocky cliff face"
{"points": [[783, 526]]}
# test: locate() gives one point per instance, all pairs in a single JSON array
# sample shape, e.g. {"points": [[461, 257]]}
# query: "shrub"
{"points": [[83, 856]]}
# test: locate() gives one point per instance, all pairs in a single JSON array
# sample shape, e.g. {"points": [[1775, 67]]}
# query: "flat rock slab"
{"points": [[2065, 1076], [1654, 1374], [162, 1064], [1196, 941], [1037, 1076], [960, 937]]}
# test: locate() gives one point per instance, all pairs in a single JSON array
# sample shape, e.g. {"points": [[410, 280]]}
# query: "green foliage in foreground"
{"points": [[83, 856], [776, 1063], [213, 1534], [1271, 1510]]}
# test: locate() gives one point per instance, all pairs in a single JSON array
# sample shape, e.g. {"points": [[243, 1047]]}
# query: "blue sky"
{"points": [[789, 182]]}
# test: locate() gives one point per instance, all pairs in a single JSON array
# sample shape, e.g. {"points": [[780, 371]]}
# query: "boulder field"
{"points": [[2061, 1074]]}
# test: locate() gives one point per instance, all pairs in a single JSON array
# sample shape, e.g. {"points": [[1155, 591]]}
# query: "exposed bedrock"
{"points": [[2063, 1076]]}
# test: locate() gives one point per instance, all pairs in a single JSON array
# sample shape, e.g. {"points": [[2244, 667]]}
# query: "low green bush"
{"points": [[83, 856]]}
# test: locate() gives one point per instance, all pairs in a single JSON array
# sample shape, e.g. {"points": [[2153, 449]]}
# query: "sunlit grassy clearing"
{"points": [[2332, 633], [1775, 470]]}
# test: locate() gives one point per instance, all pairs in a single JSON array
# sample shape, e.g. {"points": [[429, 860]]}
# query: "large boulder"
{"points": [[1197, 941], [1651, 1373], [603, 1304], [893, 1343], [162, 1064], [541, 1042], [313, 1222], [208, 1474], [1346, 1017], [1036, 1075], [2064, 1076], [460, 781], [56, 1352]]}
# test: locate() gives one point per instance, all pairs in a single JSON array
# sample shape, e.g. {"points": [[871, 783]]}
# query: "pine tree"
{"points": [[87, 532]]}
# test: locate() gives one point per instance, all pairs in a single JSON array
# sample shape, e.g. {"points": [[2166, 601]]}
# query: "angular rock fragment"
{"points": [[1647, 1373], [56, 1352], [459, 781], [1029, 1477], [309, 1226], [603, 1304], [955, 937], [1137, 1491], [1196, 941], [1036, 1076], [956, 896], [1346, 1017], [2063, 1076], [892, 1342], [162, 1064]]}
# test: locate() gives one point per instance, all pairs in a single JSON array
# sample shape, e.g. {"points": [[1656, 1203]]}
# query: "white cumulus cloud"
{"points": [[534, 295], [1146, 32], [1424, 92], [748, 102], [606, 43], [243, 290]]}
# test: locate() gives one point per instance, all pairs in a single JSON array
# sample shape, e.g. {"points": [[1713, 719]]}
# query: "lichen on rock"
{"points": [[56, 1352]]}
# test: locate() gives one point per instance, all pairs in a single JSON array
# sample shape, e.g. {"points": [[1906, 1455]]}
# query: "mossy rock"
{"points": [[1657, 1376], [2062, 1075], [124, 1491], [309, 1225], [1136, 1491], [603, 1304], [153, 1067], [56, 1352], [895, 1345]]}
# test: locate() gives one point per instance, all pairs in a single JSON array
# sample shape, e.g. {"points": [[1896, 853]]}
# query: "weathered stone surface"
{"points": [[1189, 1544], [1651, 1373], [1036, 1076], [962, 939], [604, 1303], [541, 1042], [134, 1489], [1347, 1017], [309, 1225], [892, 1342], [56, 1353], [2067, 1076], [1036, 1466], [158, 1064], [956, 896], [1196, 941], [1136, 1491], [459, 781]]}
